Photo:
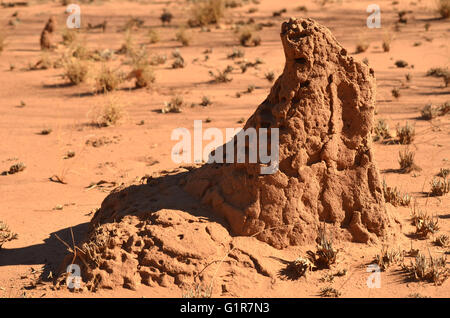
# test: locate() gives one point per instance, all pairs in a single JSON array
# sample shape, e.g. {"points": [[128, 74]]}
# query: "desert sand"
{"points": [[156, 234]]}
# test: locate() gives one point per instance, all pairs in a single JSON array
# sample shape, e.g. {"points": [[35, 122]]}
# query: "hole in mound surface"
{"points": [[181, 236], [301, 61], [305, 84]]}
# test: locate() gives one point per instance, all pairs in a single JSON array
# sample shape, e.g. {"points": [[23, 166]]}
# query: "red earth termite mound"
{"points": [[323, 105], [168, 229]]}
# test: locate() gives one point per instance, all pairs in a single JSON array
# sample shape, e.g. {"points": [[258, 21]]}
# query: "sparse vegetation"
{"points": [[426, 225], [153, 36], [325, 254], [406, 134], [75, 70], [396, 92], [248, 38], [6, 234], [222, 76], [2, 42], [381, 131], [443, 8], [440, 186], [110, 114], [441, 72], [406, 161], [15, 168], [206, 101], [174, 106], [330, 292], [237, 53], [432, 269], [205, 12], [183, 37], [442, 240], [401, 63], [270, 76], [387, 40], [362, 46], [395, 197], [198, 291], [108, 80], [388, 257]]}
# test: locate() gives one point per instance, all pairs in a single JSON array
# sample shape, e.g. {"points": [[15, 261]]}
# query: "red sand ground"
{"points": [[29, 198]]}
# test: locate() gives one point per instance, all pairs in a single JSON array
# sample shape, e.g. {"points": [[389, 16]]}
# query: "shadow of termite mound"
{"points": [[170, 229]]}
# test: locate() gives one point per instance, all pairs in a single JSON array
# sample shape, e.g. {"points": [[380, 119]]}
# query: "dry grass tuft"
{"points": [[443, 8], [198, 291], [388, 257], [6, 234], [432, 269], [381, 131], [395, 197], [442, 72], [75, 70], [440, 186], [205, 12], [183, 37], [325, 255], [406, 134], [15, 168], [108, 80], [330, 292], [153, 36], [110, 114], [248, 38], [222, 76], [174, 106], [406, 161], [442, 240], [426, 225]]}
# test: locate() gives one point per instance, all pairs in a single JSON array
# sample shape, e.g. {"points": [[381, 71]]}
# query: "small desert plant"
{"points": [[174, 106], [301, 9], [387, 40], [15, 168], [444, 173], [388, 257], [432, 269], [406, 134], [325, 254], [440, 186], [443, 7], [444, 73], [300, 267], [442, 240], [362, 46], [198, 291], [394, 197], [5, 234], [144, 75], [158, 59], [401, 63], [206, 101], [69, 36], [153, 36], [237, 53], [406, 161], [2, 41], [330, 292], [45, 131], [429, 112], [75, 70], [427, 225], [110, 114], [205, 12], [108, 80], [381, 130], [222, 76], [395, 92], [183, 37], [270, 76], [408, 77], [248, 38]]}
